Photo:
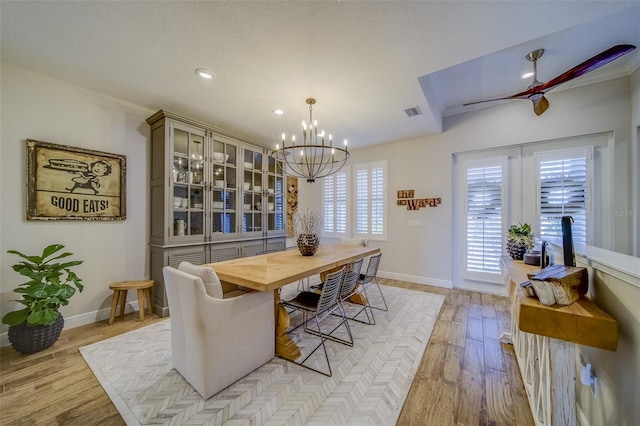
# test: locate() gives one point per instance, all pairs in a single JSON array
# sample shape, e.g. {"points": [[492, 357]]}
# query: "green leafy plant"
{"points": [[47, 290], [521, 231]]}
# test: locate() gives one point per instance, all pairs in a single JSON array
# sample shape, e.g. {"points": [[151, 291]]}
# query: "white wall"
{"points": [[425, 165], [635, 161], [37, 107]]}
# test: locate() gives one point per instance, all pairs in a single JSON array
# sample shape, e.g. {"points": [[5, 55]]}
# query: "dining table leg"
{"points": [[285, 347]]}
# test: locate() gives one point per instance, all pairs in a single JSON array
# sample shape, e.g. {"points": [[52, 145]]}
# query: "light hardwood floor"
{"points": [[466, 376]]}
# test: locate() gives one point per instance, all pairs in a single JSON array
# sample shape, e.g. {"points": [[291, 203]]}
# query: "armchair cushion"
{"points": [[209, 278], [212, 284]]}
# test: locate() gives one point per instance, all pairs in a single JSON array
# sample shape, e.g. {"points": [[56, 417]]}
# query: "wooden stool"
{"points": [[120, 295]]}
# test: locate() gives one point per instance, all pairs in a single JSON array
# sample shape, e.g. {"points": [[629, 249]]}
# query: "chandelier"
{"points": [[315, 157]]}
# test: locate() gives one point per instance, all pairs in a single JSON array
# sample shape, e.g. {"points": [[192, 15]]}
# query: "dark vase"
{"points": [[308, 244], [516, 249], [28, 340]]}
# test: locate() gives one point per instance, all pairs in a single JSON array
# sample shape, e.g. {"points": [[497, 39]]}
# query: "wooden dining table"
{"points": [[272, 271]]}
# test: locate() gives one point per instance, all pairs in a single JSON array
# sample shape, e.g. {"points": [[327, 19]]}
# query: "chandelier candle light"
{"points": [[313, 158]]}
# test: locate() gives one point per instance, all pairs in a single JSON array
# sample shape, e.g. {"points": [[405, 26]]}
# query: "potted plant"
{"points": [[50, 285], [307, 225], [520, 239]]}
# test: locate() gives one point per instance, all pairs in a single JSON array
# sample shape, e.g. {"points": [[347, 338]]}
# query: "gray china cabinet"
{"points": [[214, 196]]}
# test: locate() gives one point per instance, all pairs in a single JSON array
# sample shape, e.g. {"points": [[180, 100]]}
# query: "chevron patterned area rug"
{"points": [[369, 384]]}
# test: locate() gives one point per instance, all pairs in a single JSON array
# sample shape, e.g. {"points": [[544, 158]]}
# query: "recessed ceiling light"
{"points": [[278, 111], [204, 73], [527, 74]]}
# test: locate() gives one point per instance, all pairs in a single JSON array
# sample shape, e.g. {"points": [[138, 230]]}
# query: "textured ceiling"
{"points": [[365, 62]]}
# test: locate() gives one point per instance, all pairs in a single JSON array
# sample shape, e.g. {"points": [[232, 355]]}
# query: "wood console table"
{"points": [[544, 340], [270, 272]]}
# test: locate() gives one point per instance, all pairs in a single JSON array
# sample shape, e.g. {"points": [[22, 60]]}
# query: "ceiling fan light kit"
{"points": [[536, 90]]}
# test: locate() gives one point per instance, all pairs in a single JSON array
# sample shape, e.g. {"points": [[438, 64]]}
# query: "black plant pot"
{"points": [[28, 340]]}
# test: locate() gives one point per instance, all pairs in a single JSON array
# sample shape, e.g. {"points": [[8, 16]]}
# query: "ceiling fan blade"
{"points": [[540, 105], [589, 65], [522, 95], [536, 93], [488, 100]]}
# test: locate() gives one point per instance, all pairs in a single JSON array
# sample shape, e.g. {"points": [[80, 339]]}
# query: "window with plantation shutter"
{"points": [[362, 203], [370, 209], [335, 191], [564, 189], [485, 201]]}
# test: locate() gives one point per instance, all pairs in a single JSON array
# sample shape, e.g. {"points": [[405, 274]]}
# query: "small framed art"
{"points": [[70, 183]]}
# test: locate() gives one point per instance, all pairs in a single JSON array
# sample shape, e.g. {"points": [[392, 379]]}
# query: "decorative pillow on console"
{"points": [[208, 276]]}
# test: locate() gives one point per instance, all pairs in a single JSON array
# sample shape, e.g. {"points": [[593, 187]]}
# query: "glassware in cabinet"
{"points": [[187, 182], [188, 210], [251, 212], [188, 157], [224, 156], [275, 202], [223, 208], [252, 198], [224, 203]]}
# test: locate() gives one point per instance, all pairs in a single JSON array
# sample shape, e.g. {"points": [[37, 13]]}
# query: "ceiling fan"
{"points": [[536, 90]]}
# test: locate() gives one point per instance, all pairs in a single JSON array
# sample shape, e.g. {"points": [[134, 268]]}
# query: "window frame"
{"points": [[351, 202], [333, 233], [586, 152], [486, 275], [382, 198]]}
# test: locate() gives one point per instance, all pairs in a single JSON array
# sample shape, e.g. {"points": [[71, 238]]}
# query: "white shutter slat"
{"points": [[563, 191], [341, 203], [370, 209], [484, 219], [335, 203], [329, 205]]}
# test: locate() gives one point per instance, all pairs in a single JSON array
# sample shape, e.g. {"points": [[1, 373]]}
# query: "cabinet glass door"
{"points": [[275, 196], [188, 184], [252, 198], [224, 207]]}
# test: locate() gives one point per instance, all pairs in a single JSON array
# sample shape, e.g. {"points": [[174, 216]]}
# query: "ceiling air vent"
{"points": [[412, 112]]}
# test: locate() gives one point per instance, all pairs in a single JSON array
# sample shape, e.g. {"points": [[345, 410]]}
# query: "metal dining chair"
{"points": [[318, 307], [351, 289], [369, 278]]}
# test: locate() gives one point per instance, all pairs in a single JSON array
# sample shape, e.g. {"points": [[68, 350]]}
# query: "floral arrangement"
{"points": [[307, 222]]}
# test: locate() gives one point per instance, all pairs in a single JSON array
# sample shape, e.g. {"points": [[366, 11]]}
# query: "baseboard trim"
{"points": [[416, 279], [82, 319], [490, 288]]}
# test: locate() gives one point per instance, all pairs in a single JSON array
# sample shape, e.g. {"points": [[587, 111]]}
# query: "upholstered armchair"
{"points": [[216, 341]]}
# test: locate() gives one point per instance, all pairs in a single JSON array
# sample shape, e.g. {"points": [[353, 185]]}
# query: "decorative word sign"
{"points": [[405, 198], [405, 193]]}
